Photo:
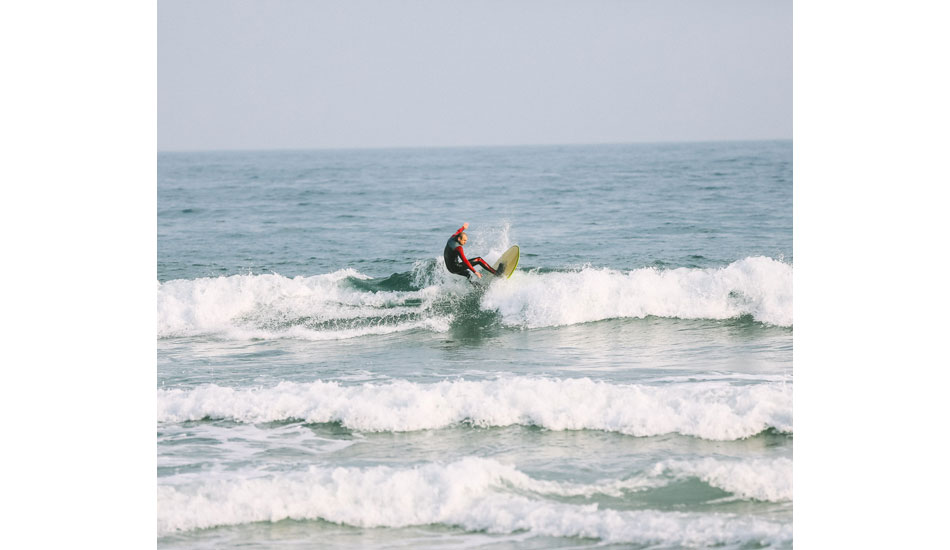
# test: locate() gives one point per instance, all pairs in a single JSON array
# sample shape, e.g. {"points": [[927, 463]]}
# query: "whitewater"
{"points": [[711, 410], [479, 494], [331, 306]]}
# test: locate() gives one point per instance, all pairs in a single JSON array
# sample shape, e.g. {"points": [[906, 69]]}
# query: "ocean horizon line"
{"points": [[473, 146]]}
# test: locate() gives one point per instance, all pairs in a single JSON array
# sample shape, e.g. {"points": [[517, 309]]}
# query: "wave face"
{"points": [[708, 410], [347, 304], [475, 494]]}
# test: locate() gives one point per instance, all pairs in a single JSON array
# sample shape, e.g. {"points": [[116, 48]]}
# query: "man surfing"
{"points": [[455, 260]]}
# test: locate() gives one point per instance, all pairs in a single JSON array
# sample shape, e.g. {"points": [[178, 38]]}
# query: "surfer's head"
{"points": [[462, 238]]}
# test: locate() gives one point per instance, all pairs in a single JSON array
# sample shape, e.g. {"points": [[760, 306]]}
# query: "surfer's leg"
{"points": [[482, 263], [462, 273]]}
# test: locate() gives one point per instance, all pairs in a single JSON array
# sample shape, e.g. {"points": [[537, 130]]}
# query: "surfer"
{"points": [[455, 260]]}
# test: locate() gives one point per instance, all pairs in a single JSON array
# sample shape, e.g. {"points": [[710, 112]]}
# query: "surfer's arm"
{"points": [[463, 228]]}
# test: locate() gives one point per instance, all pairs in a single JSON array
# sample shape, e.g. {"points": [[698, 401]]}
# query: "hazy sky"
{"points": [[264, 74]]}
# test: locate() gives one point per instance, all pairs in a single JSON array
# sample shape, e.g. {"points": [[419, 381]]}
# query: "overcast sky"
{"points": [[266, 74]]}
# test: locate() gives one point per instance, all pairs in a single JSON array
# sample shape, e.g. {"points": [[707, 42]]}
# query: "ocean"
{"points": [[323, 382]]}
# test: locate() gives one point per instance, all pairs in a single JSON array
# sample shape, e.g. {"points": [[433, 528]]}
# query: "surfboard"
{"points": [[508, 261]]}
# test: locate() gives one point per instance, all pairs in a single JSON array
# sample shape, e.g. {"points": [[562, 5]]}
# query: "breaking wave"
{"points": [[708, 410], [476, 494], [348, 304]]}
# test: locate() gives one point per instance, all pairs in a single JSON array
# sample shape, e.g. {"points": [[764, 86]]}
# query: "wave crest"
{"points": [[347, 304], [472, 493], [760, 287], [709, 410]]}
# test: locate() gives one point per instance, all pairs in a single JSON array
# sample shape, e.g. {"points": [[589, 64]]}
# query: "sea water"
{"points": [[324, 382]]}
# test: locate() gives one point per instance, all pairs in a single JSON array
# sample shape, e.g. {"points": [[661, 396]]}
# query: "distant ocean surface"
{"points": [[324, 382]]}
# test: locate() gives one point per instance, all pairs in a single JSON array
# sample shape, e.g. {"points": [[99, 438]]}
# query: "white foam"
{"points": [[242, 442], [759, 286], [757, 479], [273, 306], [324, 307], [710, 410], [471, 493]]}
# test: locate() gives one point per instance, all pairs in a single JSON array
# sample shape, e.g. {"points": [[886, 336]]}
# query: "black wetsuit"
{"points": [[455, 260]]}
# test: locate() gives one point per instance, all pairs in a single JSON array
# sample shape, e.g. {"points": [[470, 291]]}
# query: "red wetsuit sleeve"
{"points": [[456, 234], [464, 259]]}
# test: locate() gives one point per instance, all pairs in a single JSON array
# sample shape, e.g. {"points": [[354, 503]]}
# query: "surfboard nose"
{"points": [[507, 262]]}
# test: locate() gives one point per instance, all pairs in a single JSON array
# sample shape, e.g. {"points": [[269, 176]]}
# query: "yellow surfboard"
{"points": [[508, 262]]}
